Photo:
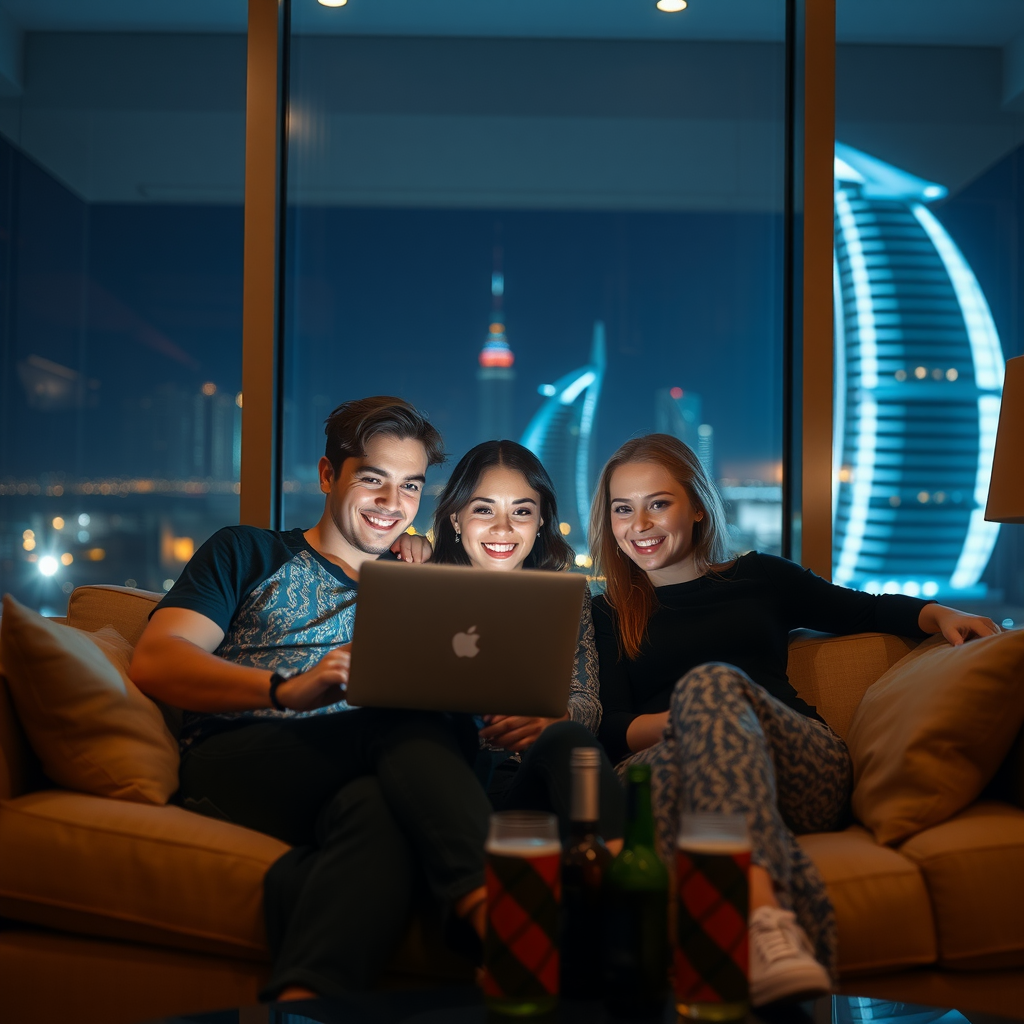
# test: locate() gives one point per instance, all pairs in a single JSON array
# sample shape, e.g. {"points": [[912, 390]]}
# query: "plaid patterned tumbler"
{"points": [[712, 905], [524, 891]]}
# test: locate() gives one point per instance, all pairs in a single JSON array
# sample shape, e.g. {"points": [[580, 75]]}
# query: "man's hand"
{"points": [[319, 686], [515, 732], [955, 626], [412, 547]]}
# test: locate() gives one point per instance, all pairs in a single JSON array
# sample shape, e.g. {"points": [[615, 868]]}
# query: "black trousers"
{"points": [[543, 782], [373, 801]]}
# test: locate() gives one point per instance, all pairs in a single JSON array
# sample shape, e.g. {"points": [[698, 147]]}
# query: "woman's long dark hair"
{"points": [[550, 550]]}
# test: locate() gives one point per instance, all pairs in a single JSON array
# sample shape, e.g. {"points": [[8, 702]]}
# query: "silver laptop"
{"points": [[454, 638]]}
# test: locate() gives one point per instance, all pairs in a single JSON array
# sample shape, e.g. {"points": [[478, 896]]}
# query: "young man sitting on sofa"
{"points": [[253, 640]]}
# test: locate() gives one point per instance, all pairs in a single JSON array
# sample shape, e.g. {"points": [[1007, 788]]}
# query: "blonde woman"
{"points": [[693, 645]]}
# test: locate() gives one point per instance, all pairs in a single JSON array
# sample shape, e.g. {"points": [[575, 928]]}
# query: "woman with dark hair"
{"points": [[693, 646], [497, 512]]}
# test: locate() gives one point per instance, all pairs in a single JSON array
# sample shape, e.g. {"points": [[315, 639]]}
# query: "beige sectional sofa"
{"points": [[118, 912]]}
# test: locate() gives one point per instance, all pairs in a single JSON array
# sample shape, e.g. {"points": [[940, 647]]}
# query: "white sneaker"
{"points": [[782, 964]]}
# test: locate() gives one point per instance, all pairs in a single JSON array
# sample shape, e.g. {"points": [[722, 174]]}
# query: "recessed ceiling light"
{"points": [[671, 6], [338, 3]]}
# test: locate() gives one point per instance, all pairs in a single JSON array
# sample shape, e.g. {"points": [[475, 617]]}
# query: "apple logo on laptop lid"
{"points": [[465, 644]]}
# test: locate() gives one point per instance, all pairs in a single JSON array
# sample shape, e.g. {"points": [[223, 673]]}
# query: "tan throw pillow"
{"points": [[932, 731], [92, 729]]}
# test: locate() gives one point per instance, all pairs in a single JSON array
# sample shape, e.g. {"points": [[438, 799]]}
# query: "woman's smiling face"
{"points": [[652, 518], [498, 525]]}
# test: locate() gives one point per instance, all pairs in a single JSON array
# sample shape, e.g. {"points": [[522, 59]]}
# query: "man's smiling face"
{"points": [[374, 497]]}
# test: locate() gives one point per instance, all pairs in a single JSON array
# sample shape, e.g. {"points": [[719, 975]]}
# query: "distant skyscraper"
{"points": [[495, 377], [560, 435], [678, 412]]}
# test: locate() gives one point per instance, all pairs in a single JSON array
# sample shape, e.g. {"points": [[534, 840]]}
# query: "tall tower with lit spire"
{"points": [[495, 376]]}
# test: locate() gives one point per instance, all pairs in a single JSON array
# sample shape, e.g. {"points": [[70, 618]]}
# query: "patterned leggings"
{"points": [[730, 746]]}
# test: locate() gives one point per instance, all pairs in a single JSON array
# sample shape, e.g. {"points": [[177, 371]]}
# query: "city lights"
{"points": [[67, 558], [183, 548], [58, 523]]}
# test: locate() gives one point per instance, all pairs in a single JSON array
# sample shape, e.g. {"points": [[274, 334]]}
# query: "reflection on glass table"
{"points": [[854, 1009], [464, 1006]]}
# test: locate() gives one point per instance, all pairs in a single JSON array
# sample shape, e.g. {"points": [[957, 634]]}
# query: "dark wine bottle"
{"points": [[636, 920], [584, 863]]}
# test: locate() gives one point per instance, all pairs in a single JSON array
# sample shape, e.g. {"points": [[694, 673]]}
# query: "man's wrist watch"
{"points": [[281, 675]]}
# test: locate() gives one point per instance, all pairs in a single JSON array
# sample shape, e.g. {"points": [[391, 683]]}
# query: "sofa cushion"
{"points": [[127, 609], [883, 914], [124, 608], [974, 868], [832, 673], [932, 731], [161, 875], [91, 727]]}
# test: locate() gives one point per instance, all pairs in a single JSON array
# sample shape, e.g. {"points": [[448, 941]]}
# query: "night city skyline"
{"points": [[380, 301]]}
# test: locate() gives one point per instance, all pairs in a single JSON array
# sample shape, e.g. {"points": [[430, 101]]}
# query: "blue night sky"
{"points": [[397, 301]]}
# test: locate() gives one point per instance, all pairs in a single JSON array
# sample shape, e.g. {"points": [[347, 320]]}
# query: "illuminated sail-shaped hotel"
{"points": [[919, 372], [560, 436]]}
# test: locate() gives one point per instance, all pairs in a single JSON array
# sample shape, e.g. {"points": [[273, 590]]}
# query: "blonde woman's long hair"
{"points": [[628, 591]]}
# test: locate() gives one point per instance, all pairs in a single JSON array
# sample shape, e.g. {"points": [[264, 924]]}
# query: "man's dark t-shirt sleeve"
{"points": [[224, 570]]}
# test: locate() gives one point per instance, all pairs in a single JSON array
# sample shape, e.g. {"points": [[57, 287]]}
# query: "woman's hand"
{"points": [[955, 626], [646, 730], [515, 732], [412, 547]]}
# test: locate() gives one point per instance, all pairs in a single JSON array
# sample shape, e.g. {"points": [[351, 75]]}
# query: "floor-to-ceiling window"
{"points": [[121, 180], [557, 223], [929, 225]]}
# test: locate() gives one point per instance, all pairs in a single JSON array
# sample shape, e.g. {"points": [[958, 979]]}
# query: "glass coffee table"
{"points": [[465, 1006]]}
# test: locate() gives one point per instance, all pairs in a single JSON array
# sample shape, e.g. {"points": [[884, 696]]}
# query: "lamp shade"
{"points": [[1006, 491]]}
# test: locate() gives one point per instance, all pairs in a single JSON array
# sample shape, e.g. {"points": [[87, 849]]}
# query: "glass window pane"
{"points": [[930, 143], [560, 224], [121, 184]]}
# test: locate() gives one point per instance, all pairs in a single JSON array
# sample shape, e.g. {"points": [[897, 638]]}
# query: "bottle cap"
{"points": [[585, 757]]}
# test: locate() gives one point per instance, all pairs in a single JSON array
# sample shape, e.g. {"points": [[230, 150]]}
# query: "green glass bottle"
{"points": [[636, 924]]}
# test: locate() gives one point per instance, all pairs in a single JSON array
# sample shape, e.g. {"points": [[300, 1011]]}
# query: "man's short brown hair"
{"points": [[354, 423]]}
